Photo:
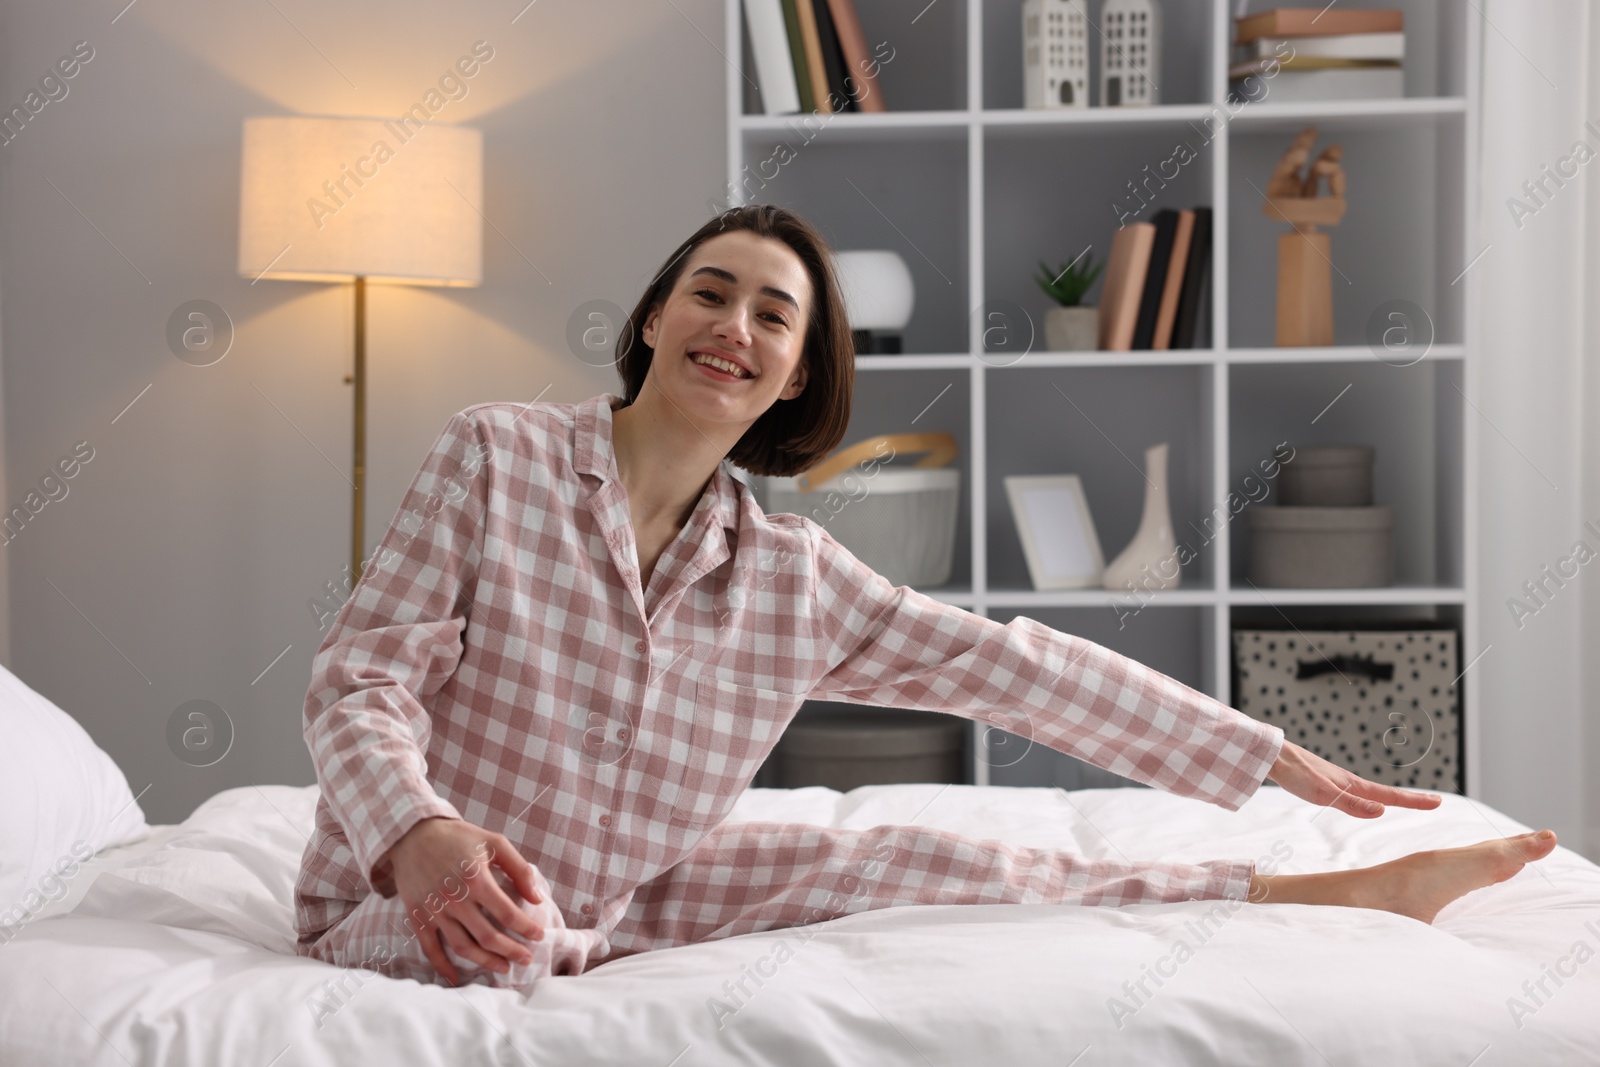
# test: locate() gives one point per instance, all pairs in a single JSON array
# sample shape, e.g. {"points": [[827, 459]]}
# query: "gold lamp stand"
{"points": [[359, 422]]}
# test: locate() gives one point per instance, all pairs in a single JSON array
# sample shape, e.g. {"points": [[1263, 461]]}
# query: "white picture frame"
{"points": [[1057, 530]]}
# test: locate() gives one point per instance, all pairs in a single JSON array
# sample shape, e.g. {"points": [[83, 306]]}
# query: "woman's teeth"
{"points": [[720, 364]]}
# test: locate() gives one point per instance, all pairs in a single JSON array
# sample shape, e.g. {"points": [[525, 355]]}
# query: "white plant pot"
{"points": [[1072, 329]]}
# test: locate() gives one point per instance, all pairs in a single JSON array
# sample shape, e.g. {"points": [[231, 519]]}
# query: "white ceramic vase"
{"points": [[1150, 561], [1072, 329]]}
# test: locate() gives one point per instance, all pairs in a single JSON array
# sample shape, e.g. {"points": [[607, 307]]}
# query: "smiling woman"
{"points": [[756, 286], [581, 664]]}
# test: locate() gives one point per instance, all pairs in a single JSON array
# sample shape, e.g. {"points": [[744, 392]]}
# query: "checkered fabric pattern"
{"points": [[499, 662]]}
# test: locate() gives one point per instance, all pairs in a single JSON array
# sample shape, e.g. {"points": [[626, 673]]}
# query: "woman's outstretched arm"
{"points": [[893, 646]]}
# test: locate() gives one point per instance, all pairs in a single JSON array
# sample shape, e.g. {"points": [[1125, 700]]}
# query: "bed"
{"points": [[175, 949]]}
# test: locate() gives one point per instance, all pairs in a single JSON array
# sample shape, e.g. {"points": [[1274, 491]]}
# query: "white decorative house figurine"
{"points": [[1150, 561], [1130, 53], [1055, 54]]}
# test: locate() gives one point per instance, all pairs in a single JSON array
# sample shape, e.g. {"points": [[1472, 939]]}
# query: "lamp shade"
{"points": [[331, 199], [877, 289]]}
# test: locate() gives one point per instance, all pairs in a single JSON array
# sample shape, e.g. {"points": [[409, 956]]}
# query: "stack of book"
{"points": [[811, 56], [1155, 290], [1303, 53]]}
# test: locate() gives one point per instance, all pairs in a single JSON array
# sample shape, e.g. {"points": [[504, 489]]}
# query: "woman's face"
{"points": [[742, 298]]}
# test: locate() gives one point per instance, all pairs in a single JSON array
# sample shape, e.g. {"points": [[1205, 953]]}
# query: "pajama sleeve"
{"points": [[893, 646], [392, 645]]}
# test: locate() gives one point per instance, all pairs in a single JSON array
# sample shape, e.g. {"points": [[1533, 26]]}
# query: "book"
{"points": [[769, 43], [797, 55], [1124, 284], [839, 98], [811, 44], [859, 64], [1265, 67], [1194, 277], [1370, 83], [1316, 22], [1167, 316], [1341, 46], [1155, 277]]}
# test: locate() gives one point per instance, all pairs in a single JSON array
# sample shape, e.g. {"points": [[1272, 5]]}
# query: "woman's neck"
{"points": [[664, 458]]}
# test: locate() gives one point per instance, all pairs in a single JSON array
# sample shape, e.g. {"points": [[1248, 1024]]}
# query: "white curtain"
{"points": [[1538, 395]]}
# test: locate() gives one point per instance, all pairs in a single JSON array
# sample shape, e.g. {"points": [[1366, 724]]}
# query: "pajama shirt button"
{"points": [[587, 909], [622, 734], [639, 647], [605, 820]]}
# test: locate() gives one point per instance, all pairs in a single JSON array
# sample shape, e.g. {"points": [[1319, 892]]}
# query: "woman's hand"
{"points": [[443, 871], [1312, 778]]}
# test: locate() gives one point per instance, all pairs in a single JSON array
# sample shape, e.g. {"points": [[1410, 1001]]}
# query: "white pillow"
{"points": [[62, 799]]}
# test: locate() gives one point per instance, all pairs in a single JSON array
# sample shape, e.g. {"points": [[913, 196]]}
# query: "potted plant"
{"points": [[1071, 326]]}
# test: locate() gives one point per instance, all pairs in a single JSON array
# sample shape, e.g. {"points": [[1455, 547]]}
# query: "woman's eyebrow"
{"points": [[728, 276]]}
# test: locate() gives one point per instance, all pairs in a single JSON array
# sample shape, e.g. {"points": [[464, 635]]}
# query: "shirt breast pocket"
{"points": [[731, 730]]}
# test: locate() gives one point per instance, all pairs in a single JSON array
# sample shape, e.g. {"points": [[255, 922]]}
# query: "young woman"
{"points": [[581, 636]]}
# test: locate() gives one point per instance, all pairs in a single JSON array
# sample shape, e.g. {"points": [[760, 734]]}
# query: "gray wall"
{"points": [[180, 562]]}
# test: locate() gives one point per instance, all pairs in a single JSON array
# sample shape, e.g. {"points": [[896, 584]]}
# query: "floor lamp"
{"points": [[361, 200]]}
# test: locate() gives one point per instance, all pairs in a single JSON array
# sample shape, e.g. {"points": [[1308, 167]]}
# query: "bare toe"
{"points": [[1421, 884]]}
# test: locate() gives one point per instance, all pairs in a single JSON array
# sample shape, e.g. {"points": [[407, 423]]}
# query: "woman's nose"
{"points": [[734, 325]]}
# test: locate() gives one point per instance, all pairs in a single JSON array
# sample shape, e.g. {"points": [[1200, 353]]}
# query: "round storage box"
{"points": [[1328, 476], [901, 523], [870, 746], [1320, 548]]}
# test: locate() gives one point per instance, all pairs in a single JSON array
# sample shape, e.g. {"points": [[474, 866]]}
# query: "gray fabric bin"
{"points": [[901, 523], [1320, 548], [870, 746], [1328, 476]]}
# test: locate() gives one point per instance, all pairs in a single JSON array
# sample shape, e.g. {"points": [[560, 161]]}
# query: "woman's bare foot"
{"points": [[1418, 885]]}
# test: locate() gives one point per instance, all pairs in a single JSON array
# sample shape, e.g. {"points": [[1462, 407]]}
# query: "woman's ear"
{"points": [[647, 332], [797, 382]]}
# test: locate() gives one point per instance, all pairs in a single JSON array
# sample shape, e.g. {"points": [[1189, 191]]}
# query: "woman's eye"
{"points": [[713, 294]]}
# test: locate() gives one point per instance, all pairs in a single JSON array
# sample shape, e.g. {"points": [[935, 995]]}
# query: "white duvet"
{"points": [[176, 950]]}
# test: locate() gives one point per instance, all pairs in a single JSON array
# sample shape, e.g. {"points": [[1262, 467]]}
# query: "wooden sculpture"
{"points": [[1305, 260]]}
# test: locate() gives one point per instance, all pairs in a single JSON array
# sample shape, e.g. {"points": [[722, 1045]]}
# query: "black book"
{"points": [[833, 58], [1155, 279], [1194, 275]]}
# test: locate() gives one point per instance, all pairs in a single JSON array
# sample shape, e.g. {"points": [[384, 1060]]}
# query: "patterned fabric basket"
{"points": [[901, 523], [1383, 703]]}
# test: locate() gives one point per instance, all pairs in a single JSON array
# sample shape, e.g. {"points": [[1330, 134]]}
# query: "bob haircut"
{"points": [[792, 435]]}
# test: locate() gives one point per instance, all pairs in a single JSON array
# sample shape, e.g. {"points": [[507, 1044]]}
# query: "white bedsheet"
{"points": [[175, 950]]}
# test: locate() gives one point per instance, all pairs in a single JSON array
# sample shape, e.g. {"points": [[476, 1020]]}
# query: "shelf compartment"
{"points": [[1410, 415], [1050, 199], [920, 48], [1400, 239], [1054, 421], [916, 402], [913, 201], [1183, 76]]}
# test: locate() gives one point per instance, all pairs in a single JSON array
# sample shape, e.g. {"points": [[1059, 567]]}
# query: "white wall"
{"points": [[189, 545], [1537, 444]]}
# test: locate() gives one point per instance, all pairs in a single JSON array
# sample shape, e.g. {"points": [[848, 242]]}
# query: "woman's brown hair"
{"points": [[792, 435]]}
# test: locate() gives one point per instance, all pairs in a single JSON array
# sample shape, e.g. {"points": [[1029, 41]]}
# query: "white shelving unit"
{"points": [[973, 191]]}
